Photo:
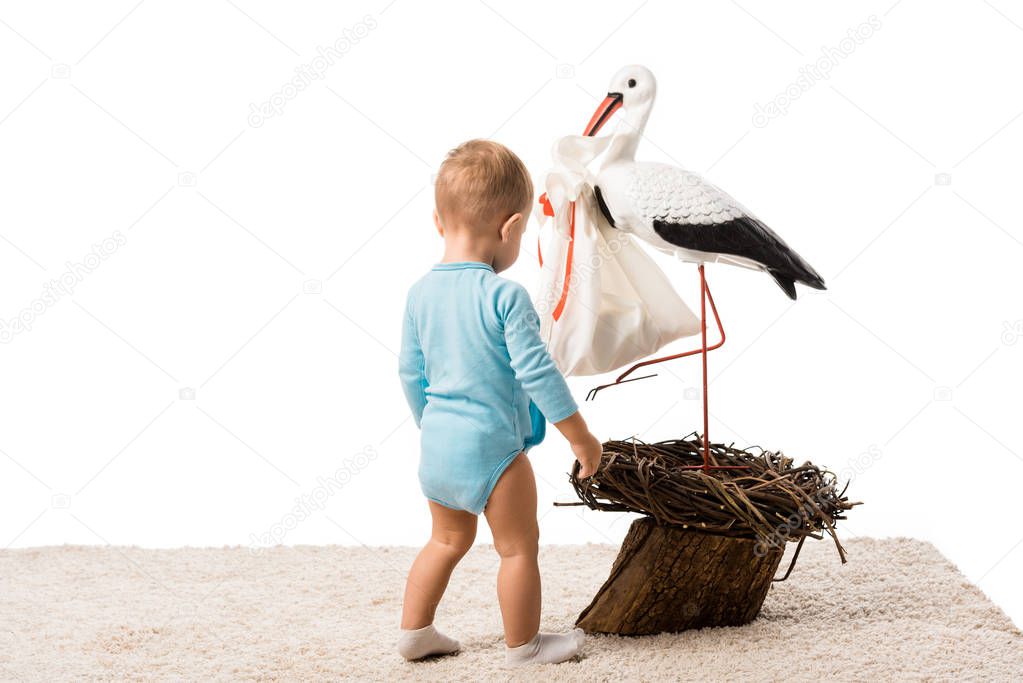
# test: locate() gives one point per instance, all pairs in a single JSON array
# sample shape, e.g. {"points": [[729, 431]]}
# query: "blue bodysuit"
{"points": [[478, 378]]}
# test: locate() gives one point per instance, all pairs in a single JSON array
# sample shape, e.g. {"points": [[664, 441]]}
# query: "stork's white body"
{"points": [[676, 210], [642, 192]]}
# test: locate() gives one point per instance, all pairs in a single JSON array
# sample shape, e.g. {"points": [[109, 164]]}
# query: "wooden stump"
{"points": [[667, 578]]}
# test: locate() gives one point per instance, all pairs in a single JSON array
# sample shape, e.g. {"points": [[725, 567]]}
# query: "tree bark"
{"points": [[667, 578]]}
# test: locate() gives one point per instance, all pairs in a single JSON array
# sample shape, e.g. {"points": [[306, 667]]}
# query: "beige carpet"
{"points": [[897, 610]]}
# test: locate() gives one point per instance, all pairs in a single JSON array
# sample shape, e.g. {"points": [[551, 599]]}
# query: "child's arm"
{"points": [[411, 367], [540, 377]]}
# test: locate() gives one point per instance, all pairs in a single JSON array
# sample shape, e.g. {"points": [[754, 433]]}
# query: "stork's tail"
{"points": [[804, 275]]}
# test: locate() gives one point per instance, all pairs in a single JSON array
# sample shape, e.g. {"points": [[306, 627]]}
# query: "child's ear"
{"points": [[436, 222], [508, 229]]}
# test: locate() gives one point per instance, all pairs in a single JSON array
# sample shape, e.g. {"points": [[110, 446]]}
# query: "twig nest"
{"points": [[769, 499]]}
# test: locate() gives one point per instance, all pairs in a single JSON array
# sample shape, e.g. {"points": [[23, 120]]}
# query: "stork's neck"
{"points": [[626, 137]]}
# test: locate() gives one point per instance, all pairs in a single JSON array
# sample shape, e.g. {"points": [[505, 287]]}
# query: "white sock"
{"points": [[547, 648], [426, 641]]}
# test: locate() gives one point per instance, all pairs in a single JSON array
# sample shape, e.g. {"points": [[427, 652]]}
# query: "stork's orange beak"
{"points": [[609, 106]]}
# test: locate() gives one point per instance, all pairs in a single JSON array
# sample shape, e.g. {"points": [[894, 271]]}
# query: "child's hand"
{"points": [[585, 446], [588, 452]]}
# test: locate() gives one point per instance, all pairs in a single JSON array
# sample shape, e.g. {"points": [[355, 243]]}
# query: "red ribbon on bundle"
{"points": [[548, 210]]}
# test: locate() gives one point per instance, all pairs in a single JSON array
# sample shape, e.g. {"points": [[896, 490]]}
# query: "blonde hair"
{"points": [[482, 182]]}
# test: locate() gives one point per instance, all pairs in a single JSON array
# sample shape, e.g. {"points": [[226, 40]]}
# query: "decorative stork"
{"points": [[679, 212]]}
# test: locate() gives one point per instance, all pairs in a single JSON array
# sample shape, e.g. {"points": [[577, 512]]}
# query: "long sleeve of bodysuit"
{"points": [[411, 367], [533, 366]]}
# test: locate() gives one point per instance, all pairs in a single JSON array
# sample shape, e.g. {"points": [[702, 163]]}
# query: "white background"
{"points": [[136, 118]]}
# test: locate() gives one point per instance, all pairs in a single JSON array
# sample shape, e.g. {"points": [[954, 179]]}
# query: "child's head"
{"points": [[483, 195]]}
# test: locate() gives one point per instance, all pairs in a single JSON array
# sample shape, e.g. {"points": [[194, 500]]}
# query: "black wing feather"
{"points": [[749, 238]]}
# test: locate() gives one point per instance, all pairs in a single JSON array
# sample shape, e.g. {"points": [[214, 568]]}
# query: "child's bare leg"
{"points": [[511, 513], [452, 536]]}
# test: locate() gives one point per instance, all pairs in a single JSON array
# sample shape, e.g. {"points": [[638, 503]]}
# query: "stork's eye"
{"points": [[632, 82]]}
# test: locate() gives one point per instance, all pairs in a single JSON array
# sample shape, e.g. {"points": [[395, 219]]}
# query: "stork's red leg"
{"points": [[706, 466], [703, 335], [705, 296]]}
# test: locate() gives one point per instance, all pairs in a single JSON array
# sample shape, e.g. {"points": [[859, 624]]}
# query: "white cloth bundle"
{"points": [[618, 306]]}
